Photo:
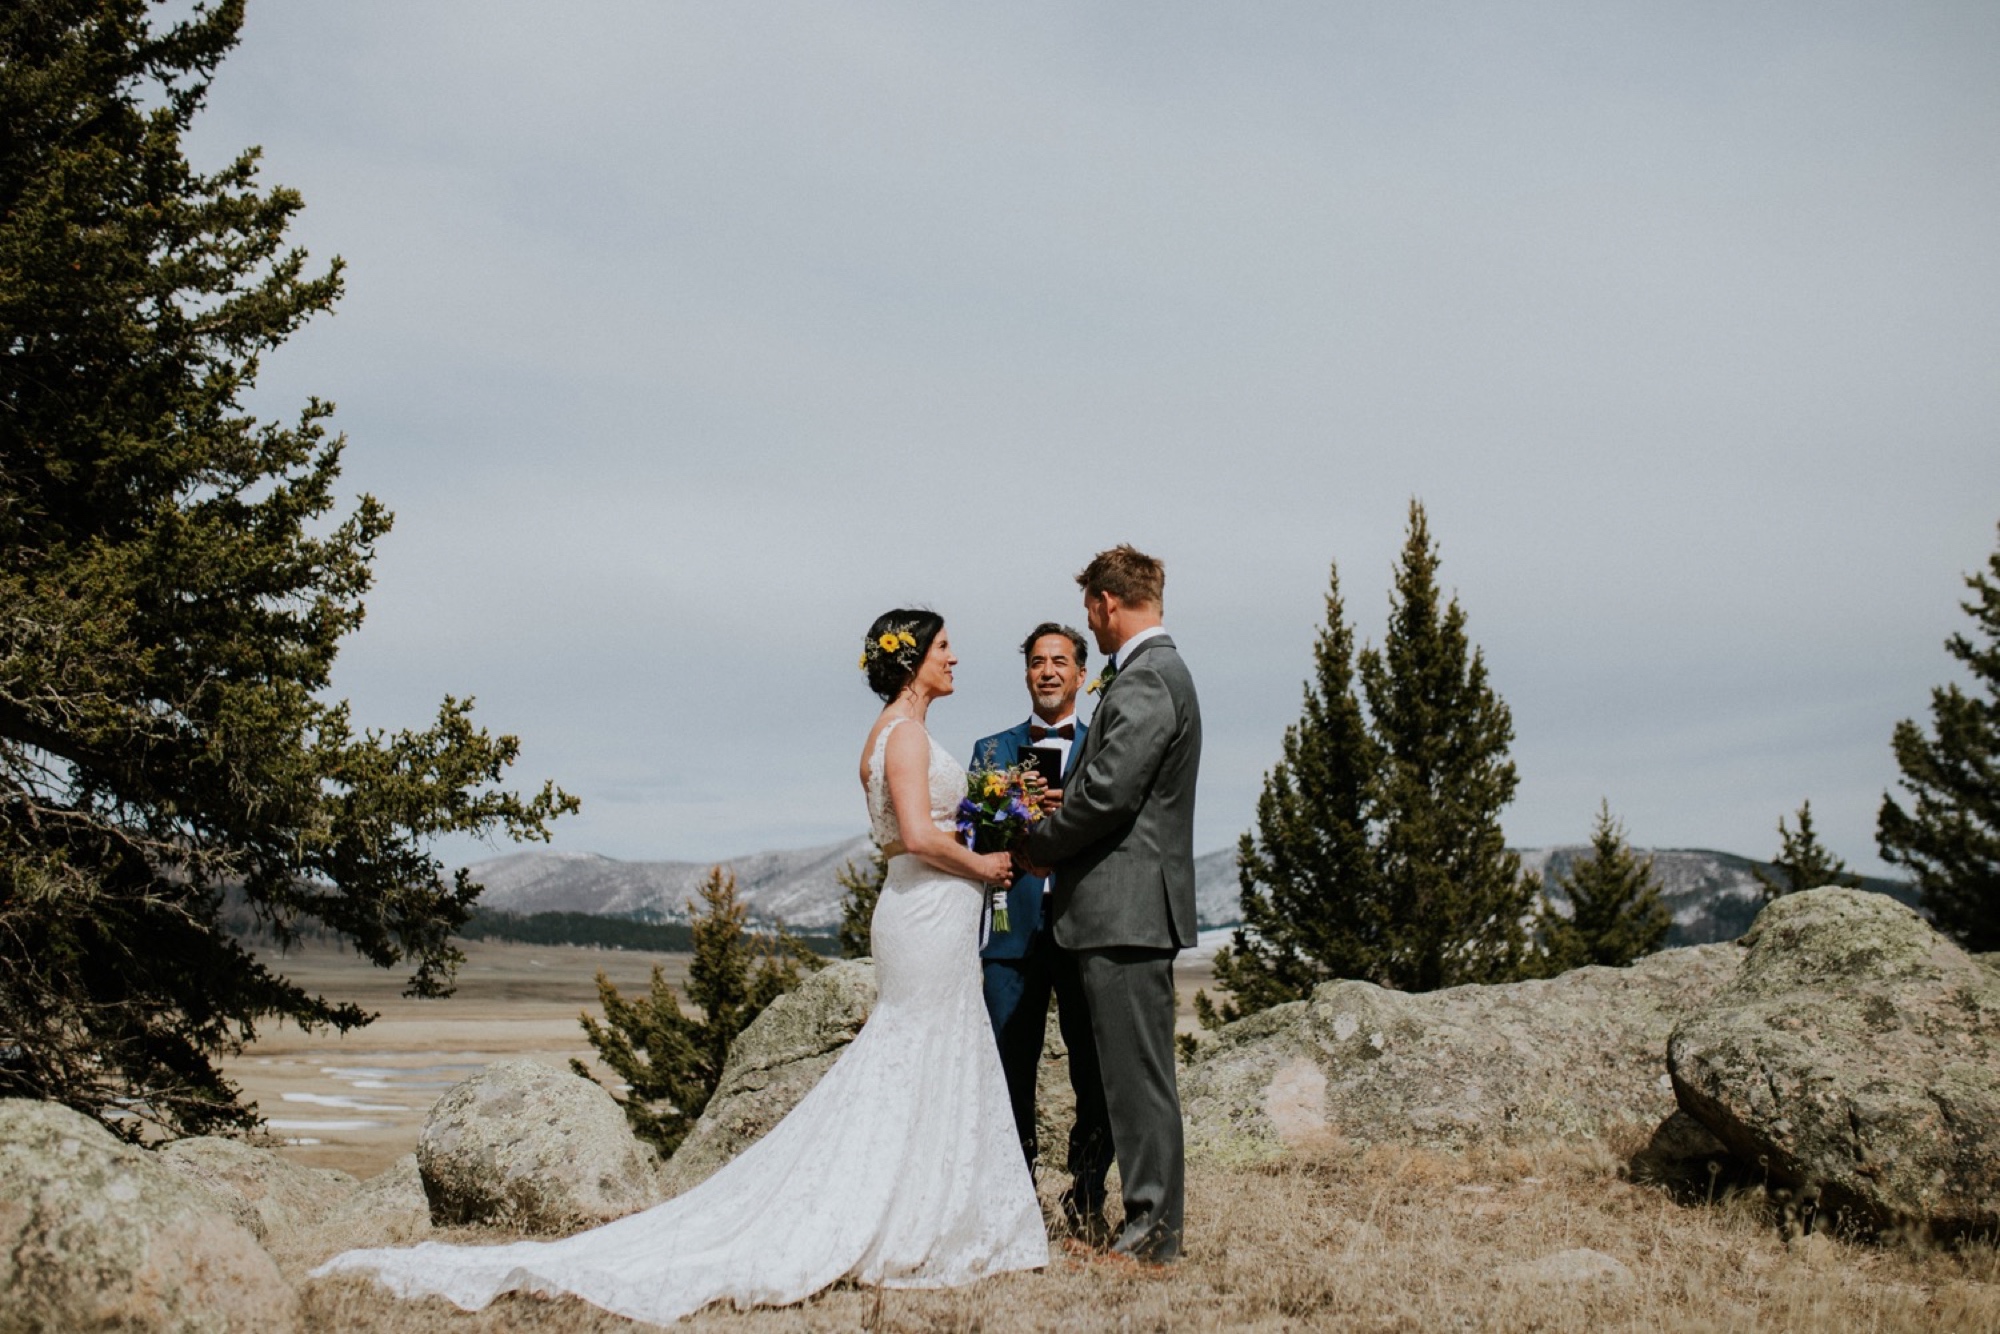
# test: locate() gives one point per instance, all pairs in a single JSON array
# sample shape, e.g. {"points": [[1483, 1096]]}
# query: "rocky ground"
{"points": [[1800, 1132]]}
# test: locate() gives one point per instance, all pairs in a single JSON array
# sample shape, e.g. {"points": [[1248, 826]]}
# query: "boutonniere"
{"points": [[1104, 679]]}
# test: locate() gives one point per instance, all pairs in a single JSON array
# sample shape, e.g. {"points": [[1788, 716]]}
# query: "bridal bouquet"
{"points": [[996, 812]]}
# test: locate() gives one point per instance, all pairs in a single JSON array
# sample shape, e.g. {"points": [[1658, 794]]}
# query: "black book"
{"points": [[1045, 760]]}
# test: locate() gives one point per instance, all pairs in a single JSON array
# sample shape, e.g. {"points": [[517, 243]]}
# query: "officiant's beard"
{"points": [[1048, 701]]}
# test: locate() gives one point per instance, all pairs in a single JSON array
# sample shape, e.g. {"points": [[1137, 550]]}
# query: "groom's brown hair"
{"points": [[1126, 573]]}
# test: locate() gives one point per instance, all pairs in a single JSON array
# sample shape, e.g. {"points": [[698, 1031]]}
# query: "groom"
{"points": [[1122, 845]]}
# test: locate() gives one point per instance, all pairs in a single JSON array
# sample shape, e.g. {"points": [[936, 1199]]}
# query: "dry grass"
{"points": [[1379, 1239]]}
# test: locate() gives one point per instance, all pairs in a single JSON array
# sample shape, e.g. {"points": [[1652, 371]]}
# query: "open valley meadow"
{"points": [[1336, 1236], [356, 1102]]}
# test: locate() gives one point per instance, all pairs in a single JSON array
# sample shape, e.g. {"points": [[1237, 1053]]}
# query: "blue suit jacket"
{"points": [[1024, 900]]}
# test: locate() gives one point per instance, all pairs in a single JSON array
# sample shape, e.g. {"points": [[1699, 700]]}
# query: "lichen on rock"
{"points": [[266, 1192], [1856, 1058], [1562, 1058], [99, 1234], [535, 1148], [388, 1209]]}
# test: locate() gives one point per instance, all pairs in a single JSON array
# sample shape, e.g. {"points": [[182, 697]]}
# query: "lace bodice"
{"points": [[947, 788]]}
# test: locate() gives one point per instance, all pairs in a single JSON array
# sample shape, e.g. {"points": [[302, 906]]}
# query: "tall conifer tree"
{"points": [[1377, 853], [1456, 896], [175, 580], [1616, 914], [1803, 862], [1949, 838], [1311, 903]]}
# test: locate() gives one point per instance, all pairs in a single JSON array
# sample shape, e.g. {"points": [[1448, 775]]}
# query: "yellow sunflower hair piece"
{"points": [[899, 643]]}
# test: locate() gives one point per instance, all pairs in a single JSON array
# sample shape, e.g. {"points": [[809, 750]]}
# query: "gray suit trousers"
{"points": [[1131, 994]]}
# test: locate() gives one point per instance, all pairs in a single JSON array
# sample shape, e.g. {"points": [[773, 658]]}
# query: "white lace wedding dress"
{"points": [[899, 1168]]}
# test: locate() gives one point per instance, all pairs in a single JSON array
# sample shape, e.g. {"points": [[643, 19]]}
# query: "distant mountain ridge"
{"points": [[799, 886], [1712, 895]]}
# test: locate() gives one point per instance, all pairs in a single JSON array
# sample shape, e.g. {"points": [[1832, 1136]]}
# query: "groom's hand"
{"points": [[1029, 868]]}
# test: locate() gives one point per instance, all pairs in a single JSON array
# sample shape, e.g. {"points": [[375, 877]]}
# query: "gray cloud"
{"points": [[685, 338]]}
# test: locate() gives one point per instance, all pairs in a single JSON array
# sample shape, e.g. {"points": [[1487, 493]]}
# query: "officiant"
{"points": [[1022, 965]]}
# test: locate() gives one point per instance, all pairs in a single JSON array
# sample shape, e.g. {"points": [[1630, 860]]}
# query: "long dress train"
{"points": [[899, 1168]]}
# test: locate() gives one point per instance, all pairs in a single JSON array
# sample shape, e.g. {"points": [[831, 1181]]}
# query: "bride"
{"points": [[901, 1167]]}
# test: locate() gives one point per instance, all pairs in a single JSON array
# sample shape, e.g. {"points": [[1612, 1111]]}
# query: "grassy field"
{"points": [[1340, 1238], [1381, 1239]]}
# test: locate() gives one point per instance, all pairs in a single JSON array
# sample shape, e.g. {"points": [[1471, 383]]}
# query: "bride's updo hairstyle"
{"points": [[897, 643]]}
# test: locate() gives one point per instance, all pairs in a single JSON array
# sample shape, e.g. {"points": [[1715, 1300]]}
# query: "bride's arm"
{"points": [[907, 767]]}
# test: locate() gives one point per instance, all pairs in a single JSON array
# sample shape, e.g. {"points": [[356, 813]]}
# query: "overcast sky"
{"points": [[684, 339]]}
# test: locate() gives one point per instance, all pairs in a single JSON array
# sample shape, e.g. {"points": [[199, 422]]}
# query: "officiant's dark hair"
{"points": [[1126, 573], [1047, 628], [886, 673]]}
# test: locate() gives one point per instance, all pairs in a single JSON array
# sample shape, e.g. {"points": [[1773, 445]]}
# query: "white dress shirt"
{"points": [[1124, 653]]}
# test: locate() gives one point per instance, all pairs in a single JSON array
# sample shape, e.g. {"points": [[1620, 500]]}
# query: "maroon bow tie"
{"points": [[1037, 732]]}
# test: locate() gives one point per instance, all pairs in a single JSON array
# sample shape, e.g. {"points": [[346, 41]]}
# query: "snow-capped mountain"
{"points": [[799, 886], [1712, 895]]}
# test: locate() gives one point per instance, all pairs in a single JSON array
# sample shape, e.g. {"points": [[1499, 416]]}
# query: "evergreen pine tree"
{"points": [[175, 580], [1311, 904], [672, 1061], [862, 887], [1455, 896], [1615, 910], [650, 1044], [1377, 853], [1803, 862], [1950, 836]]}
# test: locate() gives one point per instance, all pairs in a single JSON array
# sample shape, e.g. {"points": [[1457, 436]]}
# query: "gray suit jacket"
{"points": [[1122, 842]]}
